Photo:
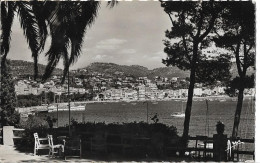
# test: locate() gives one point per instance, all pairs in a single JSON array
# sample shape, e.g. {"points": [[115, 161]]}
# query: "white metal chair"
{"points": [[38, 143], [52, 147]]}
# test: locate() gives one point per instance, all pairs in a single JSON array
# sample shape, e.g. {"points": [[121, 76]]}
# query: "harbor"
{"points": [[126, 112]]}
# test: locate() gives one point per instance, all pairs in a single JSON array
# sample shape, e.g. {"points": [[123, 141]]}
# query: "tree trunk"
{"points": [[238, 111], [190, 94]]}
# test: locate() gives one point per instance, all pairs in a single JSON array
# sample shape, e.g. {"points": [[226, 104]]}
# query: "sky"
{"points": [[131, 33]]}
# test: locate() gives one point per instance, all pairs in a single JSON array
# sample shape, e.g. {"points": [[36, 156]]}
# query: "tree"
{"points": [[9, 117], [31, 29], [66, 22], [233, 85], [192, 22], [238, 36]]}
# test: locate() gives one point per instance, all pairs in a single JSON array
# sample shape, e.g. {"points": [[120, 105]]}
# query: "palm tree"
{"points": [[29, 24], [66, 21]]}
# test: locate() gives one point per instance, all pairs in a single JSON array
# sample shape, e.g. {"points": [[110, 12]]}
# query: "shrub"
{"points": [[32, 125], [159, 134]]}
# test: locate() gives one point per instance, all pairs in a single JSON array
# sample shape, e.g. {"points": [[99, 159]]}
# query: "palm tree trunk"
{"points": [[238, 112]]}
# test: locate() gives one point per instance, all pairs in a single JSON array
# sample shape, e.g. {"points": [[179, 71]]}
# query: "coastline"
{"points": [[78, 103]]}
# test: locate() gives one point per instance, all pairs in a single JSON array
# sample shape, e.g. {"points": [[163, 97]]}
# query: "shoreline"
{"points": [[77, 103]]}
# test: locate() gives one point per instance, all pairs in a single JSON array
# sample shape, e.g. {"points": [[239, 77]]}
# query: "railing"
{"points": [[234, 149], [8, 134], [237, 143], [202, 144]]}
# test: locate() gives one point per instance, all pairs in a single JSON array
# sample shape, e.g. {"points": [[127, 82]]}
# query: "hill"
{"points": [[24, 68], [134, 70], [138, 71]]}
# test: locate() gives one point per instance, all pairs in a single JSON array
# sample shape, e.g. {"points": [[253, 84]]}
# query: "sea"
{"points": [[204, 116]]}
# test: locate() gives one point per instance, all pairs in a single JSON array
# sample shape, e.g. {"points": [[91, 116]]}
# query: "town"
{"points": [[101, 87]]}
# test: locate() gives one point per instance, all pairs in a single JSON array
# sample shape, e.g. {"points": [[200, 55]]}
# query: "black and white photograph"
{"points": [[128, 81]]}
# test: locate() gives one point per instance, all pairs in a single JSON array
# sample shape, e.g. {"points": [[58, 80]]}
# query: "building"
{"points": [[197, 92], [141, 92]]}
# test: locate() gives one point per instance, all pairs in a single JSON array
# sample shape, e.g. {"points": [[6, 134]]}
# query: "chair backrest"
{"points": [[50, 140], [36, 139]]}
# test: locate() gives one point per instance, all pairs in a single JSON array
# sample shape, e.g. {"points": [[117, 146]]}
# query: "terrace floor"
{"points": [[10, 154]]}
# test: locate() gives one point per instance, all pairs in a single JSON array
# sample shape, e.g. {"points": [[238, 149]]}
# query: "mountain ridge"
{"points": [[134, 70], [20, 67]]}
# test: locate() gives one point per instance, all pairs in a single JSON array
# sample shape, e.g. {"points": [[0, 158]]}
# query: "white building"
{"points": [[197, 91]]}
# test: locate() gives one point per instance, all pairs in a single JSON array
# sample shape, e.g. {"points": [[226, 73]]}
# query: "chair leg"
{"points": [[80, 153], [52, 152], [34, 151]]}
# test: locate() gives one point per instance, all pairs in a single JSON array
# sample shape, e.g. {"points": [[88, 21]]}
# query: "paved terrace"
{"points": [[10, 154]]}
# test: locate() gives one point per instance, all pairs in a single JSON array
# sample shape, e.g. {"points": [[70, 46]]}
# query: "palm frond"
{"points": [[71, 19], [7, 16], [58, 48], [30, 29], [112, 3], [76, 32], [40, 12]]}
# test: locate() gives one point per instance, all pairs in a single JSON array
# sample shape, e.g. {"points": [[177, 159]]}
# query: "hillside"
{"points": [[169, 72], [138, 71], [135, 70], [20, 67]]}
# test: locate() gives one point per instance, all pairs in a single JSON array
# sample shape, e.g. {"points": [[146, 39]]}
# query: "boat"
{"points": [[210, 99], [133, 103], [179, 114], [222, 100]]}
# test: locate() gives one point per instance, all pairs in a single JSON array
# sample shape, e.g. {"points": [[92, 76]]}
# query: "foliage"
{"points": [[34, 100], [29, 25], [65, 21], [192, 23], [154, 131], [9, 117], [233, 85], [211, 71], [238, 36], [32, 125], [50, 121], [189, 19], [134, 128]]}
